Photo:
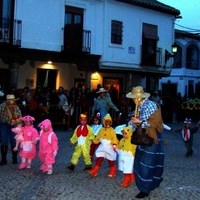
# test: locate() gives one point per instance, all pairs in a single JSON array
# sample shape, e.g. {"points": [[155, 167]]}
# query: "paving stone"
{"points": [[181, 176]]}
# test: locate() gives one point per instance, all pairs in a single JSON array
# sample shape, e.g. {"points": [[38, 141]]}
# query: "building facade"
{"points": [[116, 43], [185, 74]]}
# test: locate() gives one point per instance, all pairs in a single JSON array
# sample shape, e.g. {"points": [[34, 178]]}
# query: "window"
{"points": [[192, 53], [150, 53], [190, 88], [46, 78], [116, 32], [73, 30], [6, 8]]}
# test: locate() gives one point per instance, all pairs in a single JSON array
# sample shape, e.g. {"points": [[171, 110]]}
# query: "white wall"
{"points": [[132, 32], [42, 23]]}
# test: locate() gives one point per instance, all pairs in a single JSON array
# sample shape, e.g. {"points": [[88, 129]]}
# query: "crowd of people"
{"points": [[108, 144], [139, 163], [61, 104]]}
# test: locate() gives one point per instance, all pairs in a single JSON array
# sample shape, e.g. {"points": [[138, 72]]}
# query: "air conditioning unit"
{"points": [[4, 35]]}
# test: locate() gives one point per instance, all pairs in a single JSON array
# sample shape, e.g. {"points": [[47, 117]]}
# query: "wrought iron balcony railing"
{"points": [[86, 41], [151, 58], [10, 31], [74, 42]]}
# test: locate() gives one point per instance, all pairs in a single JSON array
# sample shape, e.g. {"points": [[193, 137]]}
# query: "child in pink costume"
{"points": [[28, 146], [48, 146]]}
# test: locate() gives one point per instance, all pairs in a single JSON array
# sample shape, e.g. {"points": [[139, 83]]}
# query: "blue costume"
{"points": [[103, 104], [149, 160]]}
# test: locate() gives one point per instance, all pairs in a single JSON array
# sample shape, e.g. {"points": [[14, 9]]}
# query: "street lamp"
{"points": [[174, 48], [169, 55]]}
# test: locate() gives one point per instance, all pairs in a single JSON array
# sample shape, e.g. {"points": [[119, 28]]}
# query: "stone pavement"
{"points": [[181, 177]]}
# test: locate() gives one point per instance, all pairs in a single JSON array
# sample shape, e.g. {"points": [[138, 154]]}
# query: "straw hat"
{"points": [[10, 97], [137, 92], [101, 90]]}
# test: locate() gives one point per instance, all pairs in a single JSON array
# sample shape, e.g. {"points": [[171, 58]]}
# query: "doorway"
{"points": [[114, 86], [73, 30], [46, 78]]}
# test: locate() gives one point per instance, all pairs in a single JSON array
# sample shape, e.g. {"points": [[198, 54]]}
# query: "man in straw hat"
{"points": [[103, 103], [9, 117], [149, 160]]}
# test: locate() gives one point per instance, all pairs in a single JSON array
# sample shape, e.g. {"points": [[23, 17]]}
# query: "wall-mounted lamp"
{"points": [[95, 76], [174, 48], [169, 55], [49, 62]]}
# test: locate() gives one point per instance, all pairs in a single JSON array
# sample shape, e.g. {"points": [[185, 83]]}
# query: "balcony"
{"points": [[86, 41], [77, 42], [10, 31], [151, 57]]}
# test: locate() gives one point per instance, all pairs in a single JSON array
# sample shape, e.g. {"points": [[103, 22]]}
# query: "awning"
{"points": [[150, 31]]}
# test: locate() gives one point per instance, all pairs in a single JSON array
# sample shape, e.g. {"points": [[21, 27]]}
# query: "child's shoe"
{"points": [[28, 165], [71, 167], [43, 168], [49, 172], [132, 178], [88, 167], [22, 165], [49, 169], [112, 171], [94, 171], [126, 181]]}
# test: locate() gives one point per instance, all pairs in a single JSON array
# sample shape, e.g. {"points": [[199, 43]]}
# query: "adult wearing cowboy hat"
{"points": [[149, 160], [9, 117], [103, 103]]}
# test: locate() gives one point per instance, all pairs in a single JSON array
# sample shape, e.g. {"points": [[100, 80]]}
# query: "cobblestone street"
{"points": [[181, 176]]}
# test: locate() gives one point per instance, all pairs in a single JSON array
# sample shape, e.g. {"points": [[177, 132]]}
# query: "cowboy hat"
{"points": [[101, 90], [10, 97], [187, 121], [137, 92]]}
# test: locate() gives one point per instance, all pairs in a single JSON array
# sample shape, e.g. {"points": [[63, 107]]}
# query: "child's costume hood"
{"points": [[107, 117], [27, 118], [128, 130], [46, 124]]}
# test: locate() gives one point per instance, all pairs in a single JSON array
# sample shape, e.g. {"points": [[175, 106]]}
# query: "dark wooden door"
{"points": [[73, 31]]}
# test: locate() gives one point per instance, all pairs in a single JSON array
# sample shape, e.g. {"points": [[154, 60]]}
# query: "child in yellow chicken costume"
{"points": [[83, 135], [126, 152], [108, 142]]}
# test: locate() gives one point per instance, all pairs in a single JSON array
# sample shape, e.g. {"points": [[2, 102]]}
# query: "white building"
{"points": [[111, 42], [185, 74]]}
